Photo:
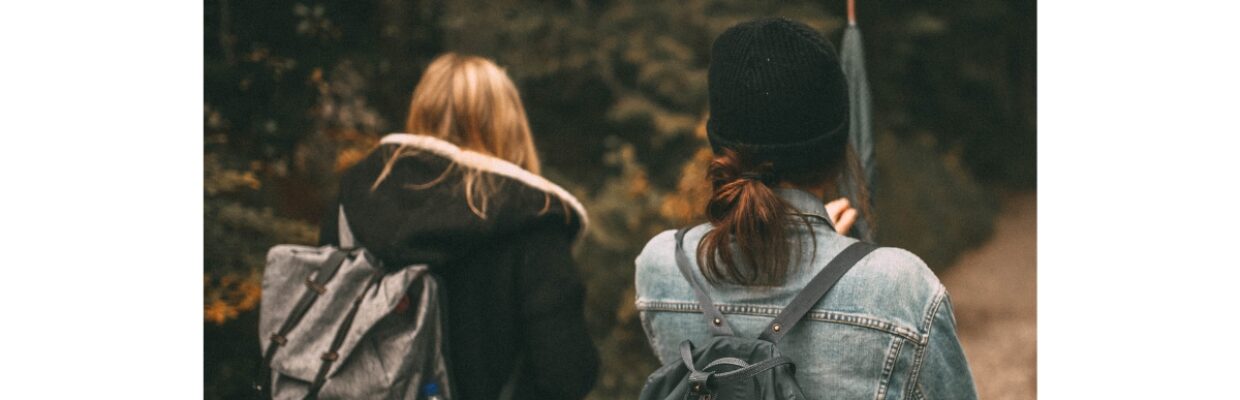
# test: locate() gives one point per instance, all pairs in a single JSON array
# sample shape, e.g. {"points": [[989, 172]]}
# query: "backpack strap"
{"points": [[332, 354], [718, 325], [815, 290], [317, 286]]}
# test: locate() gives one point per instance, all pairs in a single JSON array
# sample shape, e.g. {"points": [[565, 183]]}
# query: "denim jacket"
{"points": [[885, 331]]}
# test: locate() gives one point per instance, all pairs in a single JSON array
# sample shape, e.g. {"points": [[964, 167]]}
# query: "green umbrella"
{"points": [[861, 133]]}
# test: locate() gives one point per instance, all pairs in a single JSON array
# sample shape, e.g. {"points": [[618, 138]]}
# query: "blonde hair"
{"points": [[470, 102]]}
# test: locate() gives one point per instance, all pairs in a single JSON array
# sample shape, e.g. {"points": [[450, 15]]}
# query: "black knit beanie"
{"points": [[777, 94]]}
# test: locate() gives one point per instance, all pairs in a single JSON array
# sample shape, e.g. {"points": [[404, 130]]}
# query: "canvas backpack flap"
{"points": [[303, 354], [288, 269]]}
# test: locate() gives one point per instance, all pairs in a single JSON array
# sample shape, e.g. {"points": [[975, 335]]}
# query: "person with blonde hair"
{"points": [[460, 190]]}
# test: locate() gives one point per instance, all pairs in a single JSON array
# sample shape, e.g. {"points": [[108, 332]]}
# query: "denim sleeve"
{"points": [[945, 373]]}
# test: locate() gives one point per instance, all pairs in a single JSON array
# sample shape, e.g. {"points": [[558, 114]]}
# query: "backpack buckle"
{"points": [[315, 286]]}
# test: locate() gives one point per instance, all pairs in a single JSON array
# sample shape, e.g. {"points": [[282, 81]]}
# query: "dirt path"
{"points": [[994, 290]]}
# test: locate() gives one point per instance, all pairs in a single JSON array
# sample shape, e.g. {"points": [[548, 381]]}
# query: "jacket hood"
{"points": [[419, 212]]}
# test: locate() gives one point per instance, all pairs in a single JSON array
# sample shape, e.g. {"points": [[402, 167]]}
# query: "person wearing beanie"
{"points": [[778, 127]]}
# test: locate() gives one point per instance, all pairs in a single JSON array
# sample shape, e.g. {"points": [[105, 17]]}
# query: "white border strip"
{"points": [[472, 159]]}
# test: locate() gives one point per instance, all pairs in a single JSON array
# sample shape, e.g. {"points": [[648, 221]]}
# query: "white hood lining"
{"points": [[472, 159]]}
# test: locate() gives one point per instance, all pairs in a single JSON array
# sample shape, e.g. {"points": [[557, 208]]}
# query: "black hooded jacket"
{"points": [[514, 299]]}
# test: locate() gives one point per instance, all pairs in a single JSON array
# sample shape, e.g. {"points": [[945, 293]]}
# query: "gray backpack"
{"points": [[334, 324], [730, 367]]}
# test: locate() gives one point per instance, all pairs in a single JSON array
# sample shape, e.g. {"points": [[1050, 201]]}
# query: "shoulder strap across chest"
{"points": [[718, 325], [795, 311]]}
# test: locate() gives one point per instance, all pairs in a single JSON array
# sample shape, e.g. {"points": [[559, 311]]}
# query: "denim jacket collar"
{"points": [[805, 204]]}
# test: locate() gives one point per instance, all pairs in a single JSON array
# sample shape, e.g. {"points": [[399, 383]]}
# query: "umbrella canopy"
{"points": [[861, 134]]}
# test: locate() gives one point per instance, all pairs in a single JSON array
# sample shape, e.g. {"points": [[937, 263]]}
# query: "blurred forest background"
{"points": [[616, 93]]}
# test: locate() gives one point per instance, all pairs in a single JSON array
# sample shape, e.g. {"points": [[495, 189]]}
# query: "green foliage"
{"points": [[237, 235], [623, 214]]}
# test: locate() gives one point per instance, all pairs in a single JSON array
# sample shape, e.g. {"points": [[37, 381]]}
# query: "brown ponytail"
{"points": [[746, 211], [749, 244]]}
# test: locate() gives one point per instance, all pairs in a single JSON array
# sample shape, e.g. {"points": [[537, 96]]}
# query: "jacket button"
{"points": [[718, 322], [775, 327]]}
